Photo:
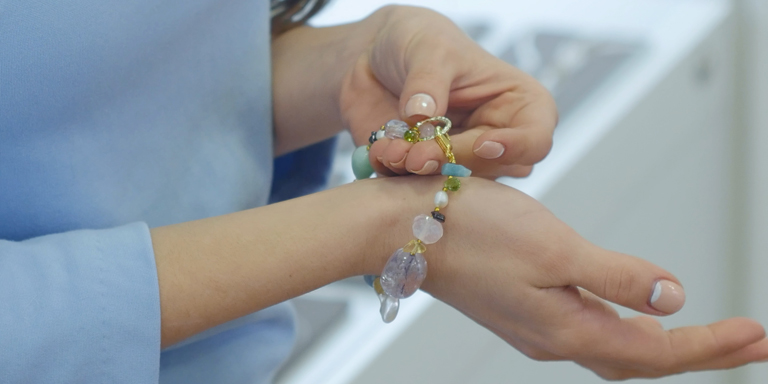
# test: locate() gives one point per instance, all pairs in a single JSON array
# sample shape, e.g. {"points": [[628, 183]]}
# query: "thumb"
{"points": [[425, 92], [628, 281]]}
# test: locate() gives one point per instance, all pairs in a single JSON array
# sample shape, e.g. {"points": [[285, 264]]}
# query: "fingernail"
{"points": [[490, 150], [420, 104], [429, 167], [667, 296], [399, 163]]}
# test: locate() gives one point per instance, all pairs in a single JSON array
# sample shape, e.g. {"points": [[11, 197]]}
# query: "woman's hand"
{"points": [[420, 64], [506, 262], [407, 63]]}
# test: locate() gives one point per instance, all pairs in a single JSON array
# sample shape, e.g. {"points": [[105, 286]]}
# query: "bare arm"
{"points": [[308, 66], [221, 268], [505, 261]]}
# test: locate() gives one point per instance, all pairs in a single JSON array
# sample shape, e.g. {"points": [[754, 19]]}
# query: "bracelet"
{"points": [[406, 269]]}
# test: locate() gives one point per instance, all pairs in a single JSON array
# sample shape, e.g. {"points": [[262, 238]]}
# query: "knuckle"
{"points": [[619, 283]]}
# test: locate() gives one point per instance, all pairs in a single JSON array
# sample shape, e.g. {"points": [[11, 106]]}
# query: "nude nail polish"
{"points": [[667, 297], [400, 163], [429, 167], [420, 104], [490, 150]]}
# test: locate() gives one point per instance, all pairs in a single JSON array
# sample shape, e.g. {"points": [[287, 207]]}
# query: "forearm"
{"points": [[308, 65], [214, 270]]}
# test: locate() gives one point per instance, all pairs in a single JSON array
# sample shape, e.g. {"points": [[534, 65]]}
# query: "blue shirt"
{"points": [[116, 117]]}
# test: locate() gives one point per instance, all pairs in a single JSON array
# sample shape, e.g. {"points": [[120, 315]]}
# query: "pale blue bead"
{"points": [[369, 279], [455, 170], [361, 166]]}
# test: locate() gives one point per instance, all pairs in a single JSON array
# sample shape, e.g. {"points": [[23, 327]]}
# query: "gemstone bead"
{"points": [[452, 184], [441, 199], [373, 137], [389, 307], [395, 129], [379, 134], [361, 166], [411, 136], [414, 247], [426, 130], [438, 216], [403, 274], [377, 285], [456, 170], [427, 229], [369, 279]]}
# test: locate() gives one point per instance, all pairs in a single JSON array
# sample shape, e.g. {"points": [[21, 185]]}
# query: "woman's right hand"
{"points": [[510, 265]]}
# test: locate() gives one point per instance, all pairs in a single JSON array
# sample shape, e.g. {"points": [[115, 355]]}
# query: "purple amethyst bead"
{"points": [[403, 274]]}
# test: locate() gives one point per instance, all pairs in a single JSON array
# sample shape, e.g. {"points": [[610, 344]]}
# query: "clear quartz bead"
{"points": [[427, 229], [441, 199], [389, 307], [395, 129], [403, 274], [426, 130]]}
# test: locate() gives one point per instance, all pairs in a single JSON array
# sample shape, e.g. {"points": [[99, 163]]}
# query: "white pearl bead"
{"points": [[441, 199], [379, 134]]}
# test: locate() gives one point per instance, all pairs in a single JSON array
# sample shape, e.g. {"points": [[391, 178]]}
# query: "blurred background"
{"points": [[661, 152]]}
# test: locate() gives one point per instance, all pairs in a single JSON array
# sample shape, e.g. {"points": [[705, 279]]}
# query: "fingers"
{"points": [[426, 88], [518, 126], [627, 280], [678, 349], [388, 157], [757, 351], [718, 346], [426, 157]]}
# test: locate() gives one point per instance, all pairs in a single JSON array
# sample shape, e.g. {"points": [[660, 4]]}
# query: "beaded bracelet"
{"points": [[406, 268]]}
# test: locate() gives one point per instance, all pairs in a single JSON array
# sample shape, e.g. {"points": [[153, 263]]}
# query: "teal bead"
{"points": [[455, 170], [361, 166]]}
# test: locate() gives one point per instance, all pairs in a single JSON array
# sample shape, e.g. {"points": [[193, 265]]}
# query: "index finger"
{"points": [[520, 125], [639, 345]]}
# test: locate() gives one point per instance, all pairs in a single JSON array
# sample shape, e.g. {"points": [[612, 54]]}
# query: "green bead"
{"points": [[452, 184], [361, 166], [411, 136]]}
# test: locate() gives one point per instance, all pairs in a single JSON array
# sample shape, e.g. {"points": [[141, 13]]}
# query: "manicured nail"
{"points": [[667, 296], [400, 163], [429, 167], [420, 104], [490, 150]]}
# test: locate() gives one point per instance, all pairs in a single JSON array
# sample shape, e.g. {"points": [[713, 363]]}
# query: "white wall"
{"points": [[754, 109]]}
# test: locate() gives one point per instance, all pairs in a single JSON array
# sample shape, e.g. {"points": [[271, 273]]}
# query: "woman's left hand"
{"points": [[420, 64]]}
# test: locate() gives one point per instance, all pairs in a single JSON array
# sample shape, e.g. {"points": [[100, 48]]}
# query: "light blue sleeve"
{"points": [[80, 307]]}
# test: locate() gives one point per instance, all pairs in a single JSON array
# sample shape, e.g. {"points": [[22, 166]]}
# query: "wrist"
{"points": [[309, 66], [396, 202]]}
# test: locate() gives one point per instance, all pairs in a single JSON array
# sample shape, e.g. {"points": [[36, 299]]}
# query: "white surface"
{"points": [[642, 166]]}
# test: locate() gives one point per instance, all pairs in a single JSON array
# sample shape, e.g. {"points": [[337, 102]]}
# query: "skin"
{"points": [[505, 261]]}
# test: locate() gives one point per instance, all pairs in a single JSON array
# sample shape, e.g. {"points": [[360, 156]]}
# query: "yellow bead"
{"points": [[377, 286], [414, 247]]}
